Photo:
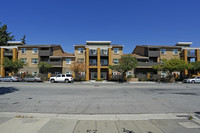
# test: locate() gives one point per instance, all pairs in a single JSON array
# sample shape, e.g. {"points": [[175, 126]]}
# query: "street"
{"points": [[93, 98]]}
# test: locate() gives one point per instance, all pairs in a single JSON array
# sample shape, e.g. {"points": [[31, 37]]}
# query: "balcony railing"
{"points": [[93, 64], [44, 53], [147, 63], [191, 54], [154, 53], [93, 52], [54, 63], [8, 53], [104, 52], [104, 64]]}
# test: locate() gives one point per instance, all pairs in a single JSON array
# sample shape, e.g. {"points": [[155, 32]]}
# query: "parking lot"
{"points": [[91, 98]]}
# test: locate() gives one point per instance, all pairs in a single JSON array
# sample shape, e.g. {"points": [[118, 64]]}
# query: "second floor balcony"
{"points": [[154, 53], [147, 64], [54, 63], [8, 53]]}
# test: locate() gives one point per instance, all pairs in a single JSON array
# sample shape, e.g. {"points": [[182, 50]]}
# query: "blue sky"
{"points": [[126, 22]]}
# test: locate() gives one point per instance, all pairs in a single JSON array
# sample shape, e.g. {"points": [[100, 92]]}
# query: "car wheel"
{"points": [[193, 81], [52, 81], [66, 81]]}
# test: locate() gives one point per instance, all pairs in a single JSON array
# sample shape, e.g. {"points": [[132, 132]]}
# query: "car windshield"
{"points": [[192, 78]]}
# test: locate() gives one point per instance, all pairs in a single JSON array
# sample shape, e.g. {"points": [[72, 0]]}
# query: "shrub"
{"points": [[98, 79], [129, 76]]}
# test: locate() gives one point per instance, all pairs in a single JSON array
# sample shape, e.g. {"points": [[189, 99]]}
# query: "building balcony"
{"points": [[147, 64], [154, 53], [93, 52], [44, 53], [104, 64], [191, 54], [92, 64], [104, 52], [54, 63], [8, 53]]}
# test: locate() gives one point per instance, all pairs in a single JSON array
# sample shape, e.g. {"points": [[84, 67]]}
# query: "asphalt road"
{"points": [[91, 98]]}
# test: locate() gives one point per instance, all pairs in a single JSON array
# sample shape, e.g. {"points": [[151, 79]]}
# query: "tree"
{"points": [[44, 67], [126, 63], [172, 65], [195, 66], [5, 36], [13, 66], [77, 67], [24, 39]]}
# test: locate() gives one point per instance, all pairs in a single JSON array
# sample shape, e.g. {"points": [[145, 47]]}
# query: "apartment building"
{"points": [[31, 55], [97, 55], [149, 55]]}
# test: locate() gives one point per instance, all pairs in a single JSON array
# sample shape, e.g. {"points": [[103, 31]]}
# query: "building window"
{"points": [[116, 50], [163, 51], [104, 62], [129, 73], [175, 51], [80, 50], [93, 52], [104, 52], [115, 61], [34, 50], [34, 73], [23, 60], [34, 61], [93, 62], [81, 60], [68, 61], [23, 50]]}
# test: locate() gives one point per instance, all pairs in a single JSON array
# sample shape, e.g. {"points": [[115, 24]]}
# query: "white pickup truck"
{"points": [[62, 78]]}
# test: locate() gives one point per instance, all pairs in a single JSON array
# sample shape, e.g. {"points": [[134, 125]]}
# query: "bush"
{"points": [[98, 79], [129, 76]]}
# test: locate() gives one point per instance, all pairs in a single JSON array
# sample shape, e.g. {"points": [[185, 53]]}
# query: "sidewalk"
{"points": [[116, 123]]}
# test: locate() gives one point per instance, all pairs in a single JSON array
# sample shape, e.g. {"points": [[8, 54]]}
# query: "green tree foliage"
{"points": [[44, 67], [126, 63], [195, 66], [13, 66], [24, 39], [172, 65], [5, 36]]}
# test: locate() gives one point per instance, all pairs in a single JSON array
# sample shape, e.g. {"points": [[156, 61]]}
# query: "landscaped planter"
{"points": [[132, 79]]}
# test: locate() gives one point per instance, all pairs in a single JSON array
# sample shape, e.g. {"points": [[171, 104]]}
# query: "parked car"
{"points": [[192, 80], [62, 78], [11, 79], [32, 79]]}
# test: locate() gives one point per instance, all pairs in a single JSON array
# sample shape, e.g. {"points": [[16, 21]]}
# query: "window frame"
{"points": [[163, 50], [33, 59], [23, 50], [115, 60], [21, 59], [116, 50], [68, 61], [80, 50], [35, 49], [175, 51]]}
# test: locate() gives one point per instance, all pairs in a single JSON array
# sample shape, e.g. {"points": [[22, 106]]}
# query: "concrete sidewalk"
{"points": [[116, 123]]}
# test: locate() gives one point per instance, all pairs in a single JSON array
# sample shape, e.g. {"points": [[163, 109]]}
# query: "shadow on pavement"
{"points": [[5, 90]]}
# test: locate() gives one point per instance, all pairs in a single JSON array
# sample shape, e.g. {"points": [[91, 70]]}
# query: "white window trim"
{"points": [[23, 49], [68, 62], [33, 51], [32, 61], [80, 49], [174, 51], [116, 52], [163, 51]]}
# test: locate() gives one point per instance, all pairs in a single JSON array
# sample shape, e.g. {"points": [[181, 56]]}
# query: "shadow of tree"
{"points": [[5, 90]]}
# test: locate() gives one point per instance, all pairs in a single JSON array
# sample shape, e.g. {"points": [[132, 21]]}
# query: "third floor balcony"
{"points": [[154, 53]]}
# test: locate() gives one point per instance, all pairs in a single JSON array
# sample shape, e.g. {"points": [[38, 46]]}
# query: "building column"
{"points": [[2, 68], [197, 54], [109, 63], [98, 64], [87, 65], [14, 54], [185, 59]]}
